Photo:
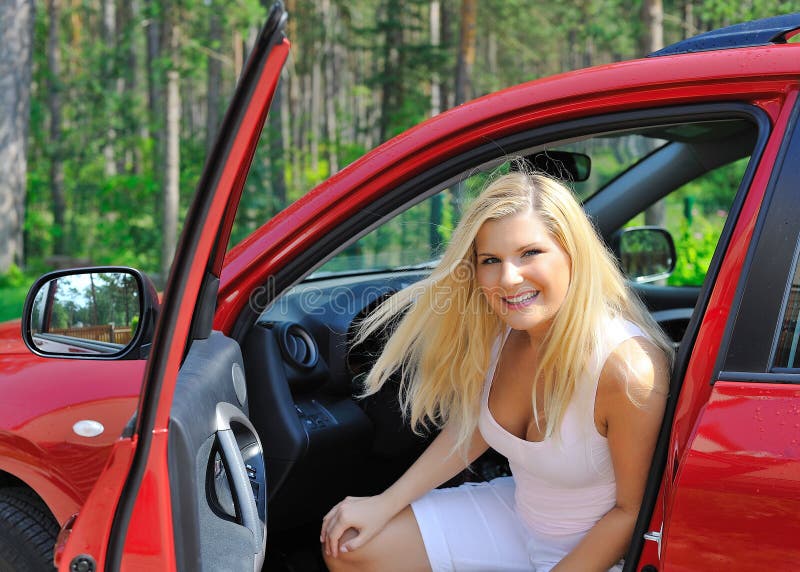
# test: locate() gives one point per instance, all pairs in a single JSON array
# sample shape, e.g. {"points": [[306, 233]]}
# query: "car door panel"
{"points": [[221, 523], [736, 490], [734, 459], [142, 534]]}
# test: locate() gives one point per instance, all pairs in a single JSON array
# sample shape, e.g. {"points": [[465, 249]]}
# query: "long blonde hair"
{"points": [[442, 343]]}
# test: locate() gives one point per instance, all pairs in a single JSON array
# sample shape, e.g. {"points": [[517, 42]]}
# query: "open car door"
{"points": [[185, 486]]}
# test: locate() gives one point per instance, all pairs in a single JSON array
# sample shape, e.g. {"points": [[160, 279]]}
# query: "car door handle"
{"points": [[655, 536]]}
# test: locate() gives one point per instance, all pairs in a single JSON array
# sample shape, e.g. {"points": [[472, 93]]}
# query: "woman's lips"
{"points": [[519, 301]]}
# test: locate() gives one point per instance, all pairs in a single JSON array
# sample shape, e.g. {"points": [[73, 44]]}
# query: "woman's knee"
{"points": [[345, 561], [398, 546]]}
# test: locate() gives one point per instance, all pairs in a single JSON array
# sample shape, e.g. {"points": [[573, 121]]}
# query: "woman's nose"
{"points": [[510, 275]]}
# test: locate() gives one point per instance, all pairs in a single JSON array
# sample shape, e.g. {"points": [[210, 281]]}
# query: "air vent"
{"points": [[297, 346]]}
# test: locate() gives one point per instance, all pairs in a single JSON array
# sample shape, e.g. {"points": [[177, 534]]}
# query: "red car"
{"points": [[213, 430]]}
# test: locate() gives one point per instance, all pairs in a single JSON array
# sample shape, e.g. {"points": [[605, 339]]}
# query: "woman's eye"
{"points": [[490, 260], [532, 252]]}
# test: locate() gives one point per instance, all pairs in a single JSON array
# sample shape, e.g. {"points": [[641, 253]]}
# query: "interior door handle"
{"points": [[237, 472], [241, 484]]}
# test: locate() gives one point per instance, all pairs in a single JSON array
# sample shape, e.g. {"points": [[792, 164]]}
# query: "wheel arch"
{"points": [[33, 474]]}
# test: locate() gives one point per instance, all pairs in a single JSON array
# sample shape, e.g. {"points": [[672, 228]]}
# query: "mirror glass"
{"points": [[646, 254], [96, 313]]}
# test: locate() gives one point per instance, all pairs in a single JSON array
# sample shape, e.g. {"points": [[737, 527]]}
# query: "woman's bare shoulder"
{"points": [[636, 371]]}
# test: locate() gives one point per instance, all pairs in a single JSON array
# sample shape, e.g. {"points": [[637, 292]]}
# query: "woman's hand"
{"points": [[353, 522]]}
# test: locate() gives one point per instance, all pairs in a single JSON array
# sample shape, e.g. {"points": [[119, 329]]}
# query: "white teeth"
{"points": [[522, 298]]}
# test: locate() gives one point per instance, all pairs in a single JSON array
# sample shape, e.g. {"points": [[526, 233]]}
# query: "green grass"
{"points": [[11, 300]]}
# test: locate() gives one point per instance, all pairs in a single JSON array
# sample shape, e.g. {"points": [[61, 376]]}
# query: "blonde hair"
{"points": [[444, 337]]}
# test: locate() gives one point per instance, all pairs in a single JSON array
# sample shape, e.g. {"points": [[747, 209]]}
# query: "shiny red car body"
{"points": [[728, 492]]}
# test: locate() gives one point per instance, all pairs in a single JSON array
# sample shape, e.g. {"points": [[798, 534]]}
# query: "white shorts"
{"points": [[474, 528]]}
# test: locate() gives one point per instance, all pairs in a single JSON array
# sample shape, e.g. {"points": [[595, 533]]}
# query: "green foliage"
{"points": [[14, 286], [14, 278], [384, 61], [11, 301], [695, 245]]}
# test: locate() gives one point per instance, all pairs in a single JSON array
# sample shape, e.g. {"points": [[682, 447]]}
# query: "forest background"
{"points": [[108, 107]]}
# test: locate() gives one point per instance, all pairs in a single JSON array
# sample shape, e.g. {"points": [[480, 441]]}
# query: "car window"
{"points": [[786, 354], [415, 238], [695, 215], [610, 155]]}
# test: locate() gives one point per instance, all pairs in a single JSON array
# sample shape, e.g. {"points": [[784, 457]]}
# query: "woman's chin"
{"points": [[527, 321]]}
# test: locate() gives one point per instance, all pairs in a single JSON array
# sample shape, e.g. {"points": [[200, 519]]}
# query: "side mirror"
{"points": [[646, 253], [91, 313]]}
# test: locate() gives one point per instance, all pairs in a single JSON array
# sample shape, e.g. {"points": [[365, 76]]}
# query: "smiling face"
{"points": [[522, 270]]}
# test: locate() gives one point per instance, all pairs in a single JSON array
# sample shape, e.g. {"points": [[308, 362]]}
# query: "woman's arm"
{"points": [[368, 515], [631, 398]]}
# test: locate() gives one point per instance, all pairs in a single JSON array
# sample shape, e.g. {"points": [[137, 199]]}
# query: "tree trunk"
{"points": [[214, 66], [466, 51], [277, 163], [689, 28], [54, 105], [392, 85], [652, 26], [171, 191], [445, 87], [434, 238], [154, 85], [436, 30], [652, 40], [109, 35], [316, 112], [238, 54], [491, 54], [331, 80], [16, 39], [128, 19]]}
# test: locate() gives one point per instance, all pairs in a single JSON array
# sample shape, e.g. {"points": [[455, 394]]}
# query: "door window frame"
{"points": [[748, 350]]}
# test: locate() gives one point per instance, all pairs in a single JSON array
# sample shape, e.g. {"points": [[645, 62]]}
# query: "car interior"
{"points": [[309, 439]]}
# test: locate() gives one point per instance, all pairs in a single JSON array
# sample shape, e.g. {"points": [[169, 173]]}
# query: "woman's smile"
{"points": [[519, 301]]}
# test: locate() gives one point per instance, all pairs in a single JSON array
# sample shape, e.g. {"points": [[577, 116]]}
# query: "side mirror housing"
{"points": [[646, 253], [104, 312]]}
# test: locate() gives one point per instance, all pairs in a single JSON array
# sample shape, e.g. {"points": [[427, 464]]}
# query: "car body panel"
{"points": [[37, 441], [736, 505], [97, 513]]}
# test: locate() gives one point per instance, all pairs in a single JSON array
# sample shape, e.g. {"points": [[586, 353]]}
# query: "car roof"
{"points": [[775, 30]]}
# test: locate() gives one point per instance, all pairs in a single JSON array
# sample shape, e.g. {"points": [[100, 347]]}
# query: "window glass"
{"points": [[786, 354], [415, 238], [611, 155], [694, 215]]}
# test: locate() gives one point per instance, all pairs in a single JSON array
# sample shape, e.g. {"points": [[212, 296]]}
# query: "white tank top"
{"points": [[564, 484]]}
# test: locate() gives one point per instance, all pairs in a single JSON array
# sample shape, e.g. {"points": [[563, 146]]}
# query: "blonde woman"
{"points": [[526, 339]]}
